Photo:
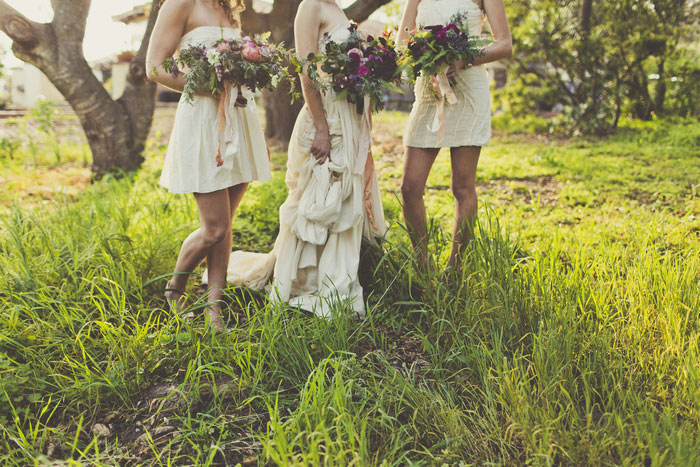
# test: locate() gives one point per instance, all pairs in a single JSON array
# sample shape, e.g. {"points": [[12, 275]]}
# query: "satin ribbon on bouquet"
{"points": [[365, 146], [444, 91], [364, 162], [227, 128]]}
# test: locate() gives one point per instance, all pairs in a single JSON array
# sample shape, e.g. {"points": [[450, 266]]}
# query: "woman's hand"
{"points": [[321, 147], [241, 102], [456, 67], [207, 91]]}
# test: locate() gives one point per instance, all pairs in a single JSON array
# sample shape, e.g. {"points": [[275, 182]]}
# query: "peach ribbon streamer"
{"points": [[228, 128], [224, 101], [369, 180], [445, 93], [364, 162], [365, 139]]}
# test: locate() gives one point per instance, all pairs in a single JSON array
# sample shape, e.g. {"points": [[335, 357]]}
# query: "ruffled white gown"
{"points": [[329, 209], [190, 162], [468, 121]]}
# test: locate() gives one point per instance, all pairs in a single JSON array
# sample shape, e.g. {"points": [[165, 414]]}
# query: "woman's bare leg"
{"points": [[218, 257], [464, 162], [214, 217], [416, 169]]}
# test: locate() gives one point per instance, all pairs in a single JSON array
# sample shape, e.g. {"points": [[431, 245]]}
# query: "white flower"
{"points": [[213, 56], [275, 81]]}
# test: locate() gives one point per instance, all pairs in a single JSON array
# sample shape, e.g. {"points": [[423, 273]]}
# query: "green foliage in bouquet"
{"points": [[360, 66], [251, 62], [429, 51]]}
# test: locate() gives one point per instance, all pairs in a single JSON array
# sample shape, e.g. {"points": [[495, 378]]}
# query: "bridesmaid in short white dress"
{"points": [[333, 199], [191, 161], [466, 123]]}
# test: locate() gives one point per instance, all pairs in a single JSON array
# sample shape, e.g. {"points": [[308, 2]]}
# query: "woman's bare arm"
{"points": [[307, 27], [167, 33], [502, 46], [408, 22]]}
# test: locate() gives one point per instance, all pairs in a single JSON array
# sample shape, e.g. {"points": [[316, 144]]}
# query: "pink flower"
{"points": [[251, 52], [223, 47], [362, 71], [266, 51]]}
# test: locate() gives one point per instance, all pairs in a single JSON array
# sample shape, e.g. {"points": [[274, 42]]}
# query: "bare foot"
{"points": [[175, 298], [214, 319]]}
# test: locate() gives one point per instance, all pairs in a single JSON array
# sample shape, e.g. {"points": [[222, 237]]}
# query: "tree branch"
{"points": [[361, 9], [70, 18], [137, 69], [18, 27]]}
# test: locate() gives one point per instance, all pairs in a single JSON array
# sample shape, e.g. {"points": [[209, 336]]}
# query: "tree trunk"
{"points": [[660, 97], [116, 130], [585, 14]]}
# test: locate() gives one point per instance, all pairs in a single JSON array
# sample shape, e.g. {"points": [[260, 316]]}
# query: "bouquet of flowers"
{"points": [[252, 62], [433, 50], [357, 68]]}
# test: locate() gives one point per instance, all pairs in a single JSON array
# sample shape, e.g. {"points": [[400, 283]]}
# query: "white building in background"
{"points": [[28, 84], [116, 67]]}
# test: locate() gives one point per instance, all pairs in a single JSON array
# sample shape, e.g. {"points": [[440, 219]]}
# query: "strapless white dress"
{"points": [[329, 209], [468, 121], [190, 162]]}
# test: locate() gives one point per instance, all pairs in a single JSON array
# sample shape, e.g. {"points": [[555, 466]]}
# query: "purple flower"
{"points": [[362, 71], [355, 55]]}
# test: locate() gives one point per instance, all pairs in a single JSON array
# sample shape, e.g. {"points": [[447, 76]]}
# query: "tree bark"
{"points": [[116, 130], [586, 11], [660, 97]]}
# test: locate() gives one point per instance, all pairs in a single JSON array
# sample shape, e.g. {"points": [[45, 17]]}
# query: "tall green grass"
{"points": [[554, 344]]}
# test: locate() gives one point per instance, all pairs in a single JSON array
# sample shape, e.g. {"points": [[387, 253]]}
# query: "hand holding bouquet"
{"points": [[359, 67], [432, 51], [254, 63]]}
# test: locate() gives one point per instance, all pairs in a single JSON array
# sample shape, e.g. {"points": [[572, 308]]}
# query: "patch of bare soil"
{"points": [[46, 184], [147, 434], [387, 143], [163, 120], [541, 190], [405, 353]]}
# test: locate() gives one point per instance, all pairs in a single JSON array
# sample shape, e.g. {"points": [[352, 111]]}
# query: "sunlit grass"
{"points": [[570, 336]]}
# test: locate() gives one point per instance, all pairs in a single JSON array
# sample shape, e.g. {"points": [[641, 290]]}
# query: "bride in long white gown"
{"points": [[333, 196]]}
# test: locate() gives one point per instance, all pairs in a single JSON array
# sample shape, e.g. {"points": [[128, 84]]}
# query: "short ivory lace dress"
{"points": [[468, 121], [190, 163]]}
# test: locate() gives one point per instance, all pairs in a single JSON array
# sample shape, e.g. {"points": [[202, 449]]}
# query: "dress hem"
{"points": [[213, 190], [479, 144]]}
